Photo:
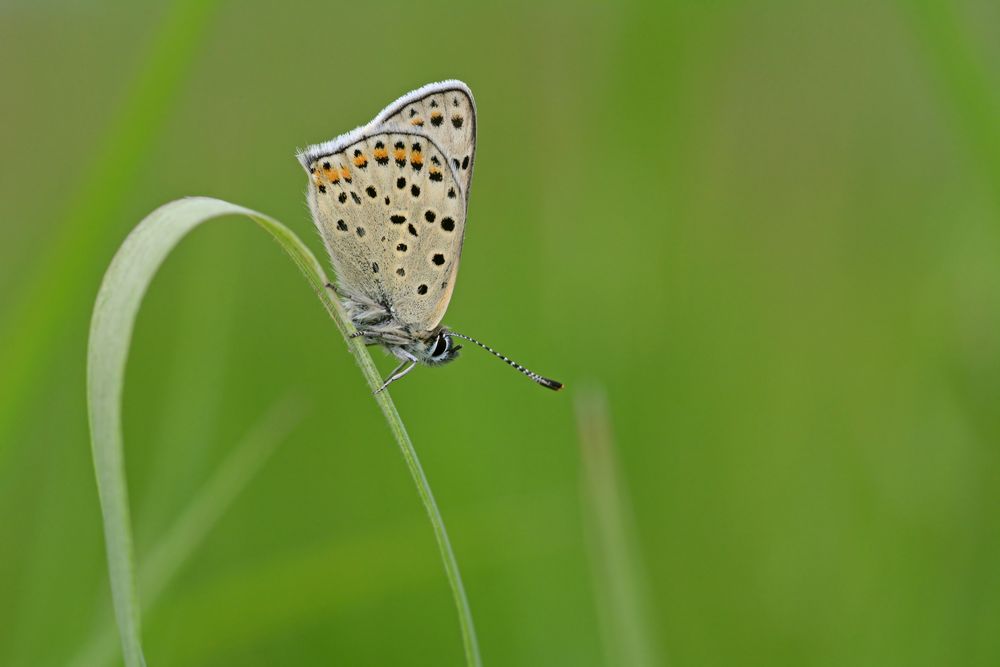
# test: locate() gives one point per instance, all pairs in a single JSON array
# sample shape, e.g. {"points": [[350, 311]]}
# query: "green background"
{"points": [[767, 232]]}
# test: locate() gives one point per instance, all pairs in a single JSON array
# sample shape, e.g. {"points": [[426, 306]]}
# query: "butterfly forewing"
{"points": [[392, 216]]}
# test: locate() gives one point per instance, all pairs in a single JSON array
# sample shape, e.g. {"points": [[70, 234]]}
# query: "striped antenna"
{"points": [[545, 382]]}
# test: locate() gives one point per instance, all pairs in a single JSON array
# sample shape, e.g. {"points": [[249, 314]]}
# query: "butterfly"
{"points": [[390, 201]]}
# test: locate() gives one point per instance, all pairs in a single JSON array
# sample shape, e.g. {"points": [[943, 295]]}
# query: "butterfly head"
{"points": [[437, 349]]}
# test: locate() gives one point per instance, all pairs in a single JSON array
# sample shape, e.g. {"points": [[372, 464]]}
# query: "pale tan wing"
{"points": [[392, 214], [445, 112]]}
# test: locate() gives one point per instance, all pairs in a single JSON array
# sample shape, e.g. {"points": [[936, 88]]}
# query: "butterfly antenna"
{"points": [[544, 381]]}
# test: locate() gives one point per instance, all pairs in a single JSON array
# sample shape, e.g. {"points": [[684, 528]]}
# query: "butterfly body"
{"points": [[390, 200]]}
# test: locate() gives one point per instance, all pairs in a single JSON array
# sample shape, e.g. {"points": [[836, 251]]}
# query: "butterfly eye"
{"points": [[440, 347]]}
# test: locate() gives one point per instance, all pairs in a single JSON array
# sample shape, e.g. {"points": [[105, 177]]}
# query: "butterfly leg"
{"points": [[360, 333], [368, 334], [401, 370], [389, 338]]}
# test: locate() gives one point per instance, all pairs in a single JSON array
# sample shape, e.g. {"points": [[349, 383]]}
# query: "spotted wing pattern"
{"points": [[390, 198], [392, 217], [447, 114]]}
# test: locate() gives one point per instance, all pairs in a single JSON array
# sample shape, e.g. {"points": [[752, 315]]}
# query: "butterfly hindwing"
{"points": [[392, 216], [445, 112]]}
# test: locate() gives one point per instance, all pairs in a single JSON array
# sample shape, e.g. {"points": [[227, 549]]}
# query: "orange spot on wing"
{"points": [[416, 157], [381, 154], [400, 154], [360, 161], [419, 122], [345, 174]]}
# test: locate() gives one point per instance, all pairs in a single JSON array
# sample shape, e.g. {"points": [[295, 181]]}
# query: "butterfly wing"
{"points": [[445, 112], [390, 203]]}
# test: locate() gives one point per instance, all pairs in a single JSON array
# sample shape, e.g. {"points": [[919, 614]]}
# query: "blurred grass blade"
{"points": [[118, 300], [622, 607], [207, 506], [218, 493], [51, 296], [964, 74]]}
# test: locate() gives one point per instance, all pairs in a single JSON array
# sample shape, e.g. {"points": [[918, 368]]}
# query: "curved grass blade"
{"points": [[118, 300]]}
